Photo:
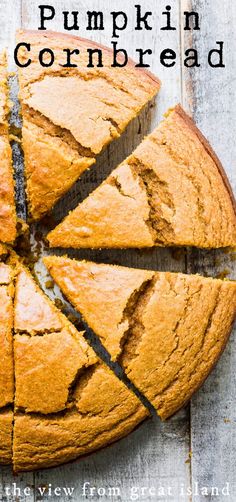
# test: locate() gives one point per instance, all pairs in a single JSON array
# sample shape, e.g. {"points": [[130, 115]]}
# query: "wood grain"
{"points": [[210, 95]]}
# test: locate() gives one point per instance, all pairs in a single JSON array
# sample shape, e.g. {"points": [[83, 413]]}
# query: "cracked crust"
{"points": [[67, 403], [172, 327], [172, 191], [102, 103], [105, 412], [7, 196], [45, 368], [112, 294], [57, 156], [33, 312]]}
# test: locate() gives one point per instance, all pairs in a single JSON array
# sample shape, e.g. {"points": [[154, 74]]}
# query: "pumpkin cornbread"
{"points": [[7, 197], [71, 114], [166, 330], [67, 402], [6, 358], [171, 191]]}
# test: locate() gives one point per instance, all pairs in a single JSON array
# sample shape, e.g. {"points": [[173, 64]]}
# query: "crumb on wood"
{"points": [[49, 284], [59, 304]]}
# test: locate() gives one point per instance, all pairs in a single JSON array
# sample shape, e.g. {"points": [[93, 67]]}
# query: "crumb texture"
{"points": [[171, 191], [105, 101], [172, 328]]}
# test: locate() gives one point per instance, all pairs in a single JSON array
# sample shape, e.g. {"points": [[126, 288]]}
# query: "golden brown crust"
{"points": [[6, 428], [101, 308], [209, 149], [59, 167], [169, 192], [6, 347], [106, 412], [45, 369], [172, 327], [102, 103]]}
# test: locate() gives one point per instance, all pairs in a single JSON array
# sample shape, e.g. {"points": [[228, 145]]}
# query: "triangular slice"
{"points": [[7, 193], [171, 191], [71, 114], [67, 402], [166, 330]]}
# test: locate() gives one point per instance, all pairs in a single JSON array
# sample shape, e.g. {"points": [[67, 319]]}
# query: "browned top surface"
{"points": [[96, 105], [170, 191], [167, 330], [66, 402]]}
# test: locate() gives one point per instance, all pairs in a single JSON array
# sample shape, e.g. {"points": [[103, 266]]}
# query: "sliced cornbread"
{"points": [[71, 114], [166, 330], [67, 402], [172, 191]]}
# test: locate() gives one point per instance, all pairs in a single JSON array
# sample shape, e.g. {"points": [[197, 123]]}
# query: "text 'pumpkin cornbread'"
{"points": [[166, 330], [71, 114], [172, 191], [67, 402], [7, 193]]}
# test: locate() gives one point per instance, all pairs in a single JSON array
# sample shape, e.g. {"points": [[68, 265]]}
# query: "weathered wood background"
{"points": [[199, 444]]}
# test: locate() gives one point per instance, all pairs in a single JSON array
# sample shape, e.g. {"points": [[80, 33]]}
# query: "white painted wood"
{"points": [[210, 95], [10, 19]]}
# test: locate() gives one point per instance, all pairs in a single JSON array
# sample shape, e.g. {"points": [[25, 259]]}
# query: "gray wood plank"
{"points": [[154, 455], [210, 96]]}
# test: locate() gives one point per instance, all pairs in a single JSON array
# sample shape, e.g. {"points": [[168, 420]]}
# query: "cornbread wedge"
{"points": [[172, 191], [71, 114], [67, 402], [166, 330]]}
